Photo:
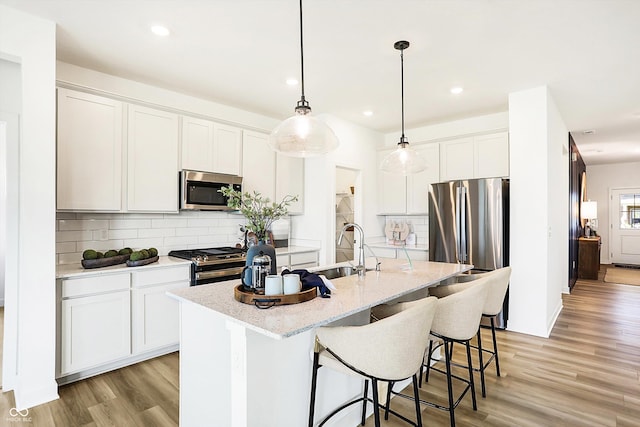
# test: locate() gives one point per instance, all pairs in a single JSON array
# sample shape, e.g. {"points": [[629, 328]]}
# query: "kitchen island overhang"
{"points": [[243, 366]]}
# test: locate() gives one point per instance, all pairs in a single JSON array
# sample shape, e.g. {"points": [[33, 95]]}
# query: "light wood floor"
{"points": [[586, 374]]}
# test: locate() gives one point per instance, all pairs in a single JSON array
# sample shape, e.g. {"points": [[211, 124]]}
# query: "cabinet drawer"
{"points": [[95, 285], [160, 275], [304, 258]]}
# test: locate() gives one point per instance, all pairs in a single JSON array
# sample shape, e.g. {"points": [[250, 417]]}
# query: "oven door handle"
{"points": [[212, 274]]}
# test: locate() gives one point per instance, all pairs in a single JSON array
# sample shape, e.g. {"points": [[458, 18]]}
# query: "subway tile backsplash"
{"points": [[76, 232]]}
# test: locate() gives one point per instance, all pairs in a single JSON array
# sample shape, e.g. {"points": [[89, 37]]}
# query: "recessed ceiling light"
{"points": [[589, 132], [456, 90], [292, 82], [368, 113], [160, 30]]}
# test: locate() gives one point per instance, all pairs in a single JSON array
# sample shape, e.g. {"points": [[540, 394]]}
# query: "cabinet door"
{"points": [[156, 318], [89, 152], [227, 150], [258, 165], [197, 144], [418, 184], [152, 160], [392, 190], [492, 155], [290, 181], [456, 159], [95, 330]]}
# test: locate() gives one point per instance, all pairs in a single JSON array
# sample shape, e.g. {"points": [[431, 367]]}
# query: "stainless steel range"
{"points": [[213, 264]]}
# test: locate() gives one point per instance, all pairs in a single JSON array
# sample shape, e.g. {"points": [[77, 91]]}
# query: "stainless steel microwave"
{"points": [[199, 190]]}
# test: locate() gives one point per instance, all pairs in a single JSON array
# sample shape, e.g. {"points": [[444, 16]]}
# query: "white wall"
{"points": [[453, 129], [600, 180], [357, 151], [538, 208], [31, 41]]}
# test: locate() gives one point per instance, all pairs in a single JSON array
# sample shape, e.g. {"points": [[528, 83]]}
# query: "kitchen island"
{"points": [[243, 366]]}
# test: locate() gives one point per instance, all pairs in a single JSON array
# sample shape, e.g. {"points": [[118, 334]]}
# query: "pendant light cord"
{"points": [[302, 106], [301, 53], [402, 138]]}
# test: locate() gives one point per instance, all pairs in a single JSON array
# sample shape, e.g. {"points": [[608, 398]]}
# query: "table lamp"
{"points": [[589, 211]]}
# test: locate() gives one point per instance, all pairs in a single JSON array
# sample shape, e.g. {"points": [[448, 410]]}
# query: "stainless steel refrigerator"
{"points": [[469, 224]]}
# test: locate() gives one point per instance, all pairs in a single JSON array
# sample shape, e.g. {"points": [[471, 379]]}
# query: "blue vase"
{"points": [[260, 248]]}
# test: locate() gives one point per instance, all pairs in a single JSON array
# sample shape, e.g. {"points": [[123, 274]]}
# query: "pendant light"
{"points": [[302, 135], [404, 160]]}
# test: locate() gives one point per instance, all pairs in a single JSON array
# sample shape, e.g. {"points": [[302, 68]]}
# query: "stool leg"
{"points": [[481, 360], [416, 398], [473, 387], [495, 344], [388, 402], [447, 361], [364, 402], [376, 409], [426, 376], [314, 377]]}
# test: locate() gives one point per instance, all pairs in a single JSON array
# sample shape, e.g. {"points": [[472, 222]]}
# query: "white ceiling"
{"points": [[240, 52]]}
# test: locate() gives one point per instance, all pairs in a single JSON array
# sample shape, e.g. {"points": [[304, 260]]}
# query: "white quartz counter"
{"points": [[295, 250], [66, 271], [352, 295]]}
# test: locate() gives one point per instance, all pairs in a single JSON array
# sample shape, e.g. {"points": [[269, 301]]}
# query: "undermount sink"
{"points": [[337, 272]]}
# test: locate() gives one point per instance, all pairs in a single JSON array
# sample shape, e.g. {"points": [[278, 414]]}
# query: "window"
{"points": [[629, 210]]}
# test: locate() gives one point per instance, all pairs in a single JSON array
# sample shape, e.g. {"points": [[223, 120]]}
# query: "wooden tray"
{"points": [[104, 262], [142, 262], [267, 301]]}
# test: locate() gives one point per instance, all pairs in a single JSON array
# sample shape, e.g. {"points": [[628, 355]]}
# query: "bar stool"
{"points": [[498, 285], [391, 349], [457, 319]]}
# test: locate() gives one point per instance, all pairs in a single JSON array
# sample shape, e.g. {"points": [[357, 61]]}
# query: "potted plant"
{"points": [[260, 213]]}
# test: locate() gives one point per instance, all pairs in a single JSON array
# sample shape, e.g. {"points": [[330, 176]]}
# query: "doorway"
{"points": [[346, 181], [624, 216]]}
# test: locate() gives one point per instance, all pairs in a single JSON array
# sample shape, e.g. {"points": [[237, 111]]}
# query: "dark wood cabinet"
{"points": [[588, 257]]}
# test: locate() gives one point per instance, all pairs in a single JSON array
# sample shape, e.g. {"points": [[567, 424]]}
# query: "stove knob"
{"points": [[205, 258], [197, 258]]}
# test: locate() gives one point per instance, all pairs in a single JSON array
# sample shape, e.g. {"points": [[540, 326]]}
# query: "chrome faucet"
{"points": [[360, 268]]}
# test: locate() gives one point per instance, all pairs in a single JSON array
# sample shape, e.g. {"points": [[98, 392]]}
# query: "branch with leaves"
{"points": [[259, 210]]}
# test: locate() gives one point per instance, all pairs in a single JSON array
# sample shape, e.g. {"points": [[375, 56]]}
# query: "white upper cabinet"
{"points": [[408, 195], [482, 156], [492, 155], [211, 147], [290, 181], [271, 174], [152, 160], [418, 184], [258, 165], [89, 147], [456, 159], [227, 149]]}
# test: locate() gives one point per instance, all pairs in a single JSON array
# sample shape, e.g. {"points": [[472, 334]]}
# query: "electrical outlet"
{"points": [[103, 234]]}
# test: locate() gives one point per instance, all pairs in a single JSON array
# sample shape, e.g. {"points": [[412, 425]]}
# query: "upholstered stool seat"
{"points": [[498, 284], [388, 350]]}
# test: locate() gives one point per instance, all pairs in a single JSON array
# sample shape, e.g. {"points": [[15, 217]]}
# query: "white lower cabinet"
{"points": [[155, 321], [95, 329], [113, 320]]}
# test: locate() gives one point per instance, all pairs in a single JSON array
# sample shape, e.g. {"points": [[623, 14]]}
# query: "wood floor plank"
{"points": [[586, 374]]}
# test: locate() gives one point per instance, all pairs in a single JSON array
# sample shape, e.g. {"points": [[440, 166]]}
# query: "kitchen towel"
{"points": [[309, 280]]}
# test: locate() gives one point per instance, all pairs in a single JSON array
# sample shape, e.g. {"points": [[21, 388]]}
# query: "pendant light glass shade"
{"points": [[302, 135], [404, 160]]}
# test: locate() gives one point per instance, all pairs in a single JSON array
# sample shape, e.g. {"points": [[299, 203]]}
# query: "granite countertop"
{"points": [[351, 296], [67, 271]]}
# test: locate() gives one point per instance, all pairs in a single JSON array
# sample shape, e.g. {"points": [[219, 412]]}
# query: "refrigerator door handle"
{"points": [[463, 224]]}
